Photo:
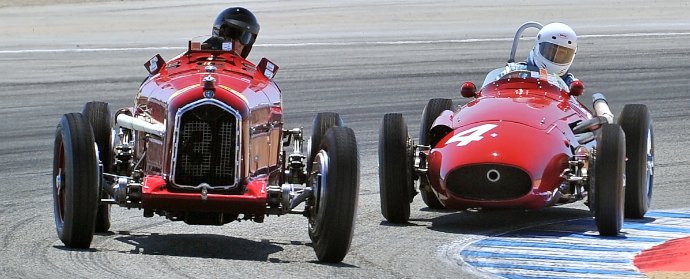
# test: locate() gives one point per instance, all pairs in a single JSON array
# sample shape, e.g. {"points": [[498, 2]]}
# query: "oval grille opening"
{"points": [[489, 182]]}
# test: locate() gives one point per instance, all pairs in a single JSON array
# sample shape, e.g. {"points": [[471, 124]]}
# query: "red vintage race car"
{"points": [[523, 141], [204, 144]]}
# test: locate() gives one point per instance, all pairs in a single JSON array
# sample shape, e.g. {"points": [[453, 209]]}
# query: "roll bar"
{"points": [[518, 34]]}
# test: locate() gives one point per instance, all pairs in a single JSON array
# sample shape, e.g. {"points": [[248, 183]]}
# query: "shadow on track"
{"points": [[201, 246], [493, 221]]}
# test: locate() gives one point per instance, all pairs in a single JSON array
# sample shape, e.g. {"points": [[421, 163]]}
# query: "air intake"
{"points": [[489, 182], [206, 146]]}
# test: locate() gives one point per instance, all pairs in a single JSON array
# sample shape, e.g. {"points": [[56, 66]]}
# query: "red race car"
{"points": [[523, 141], [204, 144]]}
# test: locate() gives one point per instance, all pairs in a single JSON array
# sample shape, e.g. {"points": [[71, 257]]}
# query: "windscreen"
{"points": [[519, 71]]}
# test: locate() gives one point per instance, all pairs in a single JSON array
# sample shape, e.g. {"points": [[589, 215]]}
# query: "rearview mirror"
{"points": [[468, 90], [577, 88]]}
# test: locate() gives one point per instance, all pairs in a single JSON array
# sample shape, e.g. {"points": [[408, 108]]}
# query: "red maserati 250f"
{"points": [[524, 141]]}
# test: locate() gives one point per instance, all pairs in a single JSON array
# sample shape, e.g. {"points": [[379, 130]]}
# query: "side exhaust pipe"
{"points": [[584, 130], [133, 123], [601, 107]]}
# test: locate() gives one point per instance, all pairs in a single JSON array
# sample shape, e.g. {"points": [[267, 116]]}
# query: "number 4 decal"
{"points": [[475, 134]]}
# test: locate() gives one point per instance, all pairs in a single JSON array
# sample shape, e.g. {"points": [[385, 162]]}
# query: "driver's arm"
{"points": [[568, 78]]}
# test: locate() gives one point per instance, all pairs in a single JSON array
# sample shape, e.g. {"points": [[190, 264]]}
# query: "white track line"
{"points": [[411, 42]]}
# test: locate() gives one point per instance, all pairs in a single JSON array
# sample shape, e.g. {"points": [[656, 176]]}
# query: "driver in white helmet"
{"points": [[554, 50]]}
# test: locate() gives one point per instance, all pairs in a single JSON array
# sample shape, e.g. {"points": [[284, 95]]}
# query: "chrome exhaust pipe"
{"points": [[601, 107], [585, 137], [133, 123]]}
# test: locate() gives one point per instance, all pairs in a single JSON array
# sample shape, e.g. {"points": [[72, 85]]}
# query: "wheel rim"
{"points": [[319, 190], [60, 181], [650, 162]]}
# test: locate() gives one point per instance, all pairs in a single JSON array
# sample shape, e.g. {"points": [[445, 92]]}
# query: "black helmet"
{"points": [[237, 23]]}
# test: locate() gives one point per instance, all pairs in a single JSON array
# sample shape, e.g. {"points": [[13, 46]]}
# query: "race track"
{"points": [[359, 58]]}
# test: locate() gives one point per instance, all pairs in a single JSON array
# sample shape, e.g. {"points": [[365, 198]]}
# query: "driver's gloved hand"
{"points": [[213, 43]]}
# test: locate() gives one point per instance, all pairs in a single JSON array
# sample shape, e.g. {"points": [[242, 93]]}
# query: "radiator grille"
{"points": [[489, 182], [206, 150]]}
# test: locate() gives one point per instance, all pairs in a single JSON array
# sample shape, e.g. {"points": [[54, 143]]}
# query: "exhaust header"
{"points": [[129, 122]]}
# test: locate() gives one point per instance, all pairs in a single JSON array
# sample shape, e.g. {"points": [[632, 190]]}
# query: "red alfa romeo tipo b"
{"points": [[205, 143]]}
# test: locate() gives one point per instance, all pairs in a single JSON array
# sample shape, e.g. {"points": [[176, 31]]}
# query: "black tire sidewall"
{"points": [[81, 194], [432, 110], [608, 180], [395, 180], [332, 242], [99, 116], [60, 227], [637, 125]]}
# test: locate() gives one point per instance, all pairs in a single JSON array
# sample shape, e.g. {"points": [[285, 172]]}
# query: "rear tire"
{"points": [[322, 122], [432, 110], [98, 114], [609, 170], [395, 169], [75, 181], [335, 182], [639, 147]]}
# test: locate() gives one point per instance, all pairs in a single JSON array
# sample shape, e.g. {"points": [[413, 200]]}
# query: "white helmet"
{"points": [[554, 49]]}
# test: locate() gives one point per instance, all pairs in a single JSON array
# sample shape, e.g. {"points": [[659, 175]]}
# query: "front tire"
{"points": [[395, 169], [98, 114], [75, 181], [639, 147], [609, 170], [335, 184], [432, 110]]}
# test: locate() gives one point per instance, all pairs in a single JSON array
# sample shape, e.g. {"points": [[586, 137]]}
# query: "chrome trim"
{"points": [[319, 185], [238, 139], [649, 168]]}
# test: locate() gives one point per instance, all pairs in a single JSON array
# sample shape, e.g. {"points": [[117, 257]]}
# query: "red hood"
{"points": [[541, 153]]}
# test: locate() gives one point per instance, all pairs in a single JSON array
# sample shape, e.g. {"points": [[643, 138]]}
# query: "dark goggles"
{"points": [[556, 54], [244, 37]]}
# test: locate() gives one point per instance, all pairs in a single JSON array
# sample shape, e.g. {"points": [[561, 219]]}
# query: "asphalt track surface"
{"points": [[361, 59]]}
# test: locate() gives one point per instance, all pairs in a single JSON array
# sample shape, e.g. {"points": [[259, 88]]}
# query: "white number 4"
{"points": [[475, 134]]}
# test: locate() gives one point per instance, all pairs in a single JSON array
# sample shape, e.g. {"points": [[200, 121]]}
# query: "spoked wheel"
{"points": [[395, 169], [335, 184], [432, 110], [639, 147], [322, 122], [98, 115], [609, 170], [75, 181]]}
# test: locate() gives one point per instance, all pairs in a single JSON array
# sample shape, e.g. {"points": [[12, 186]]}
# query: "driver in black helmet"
{"points": [[235, 29]]}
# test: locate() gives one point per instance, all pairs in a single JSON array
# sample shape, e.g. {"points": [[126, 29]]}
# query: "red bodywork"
{"points": [[242, 87], [520, 123]]}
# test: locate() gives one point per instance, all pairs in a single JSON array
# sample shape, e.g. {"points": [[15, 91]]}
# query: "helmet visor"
{"points": [[556, 54], [244, 37]]}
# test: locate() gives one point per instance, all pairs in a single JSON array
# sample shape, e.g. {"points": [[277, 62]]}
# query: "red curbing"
{"points": [[671, 256]]}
